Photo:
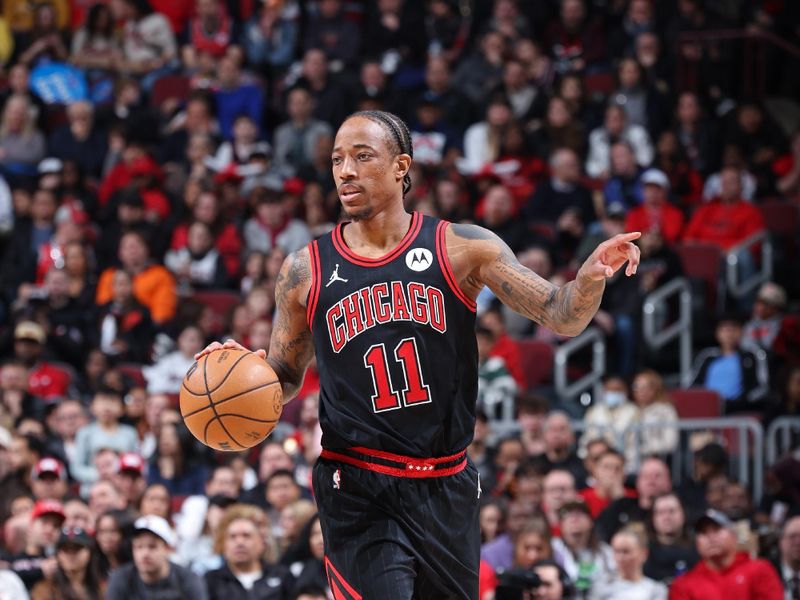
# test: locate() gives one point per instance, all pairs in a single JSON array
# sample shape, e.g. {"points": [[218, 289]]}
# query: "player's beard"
{"points": [[359, 214]]}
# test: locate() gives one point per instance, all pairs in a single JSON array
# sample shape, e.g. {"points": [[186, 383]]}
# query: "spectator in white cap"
{"points": [[49, 170], [767, 316], [656, 213], [152, 575]]}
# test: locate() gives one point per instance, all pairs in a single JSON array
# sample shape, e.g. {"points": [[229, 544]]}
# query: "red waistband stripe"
{"points": [[403, 466]]}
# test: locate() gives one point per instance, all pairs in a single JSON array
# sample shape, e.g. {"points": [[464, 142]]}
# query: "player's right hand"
{"points": [[229, 345]]}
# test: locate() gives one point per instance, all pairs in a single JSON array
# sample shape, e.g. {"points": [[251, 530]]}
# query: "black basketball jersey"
{"points": [[395, 345]]}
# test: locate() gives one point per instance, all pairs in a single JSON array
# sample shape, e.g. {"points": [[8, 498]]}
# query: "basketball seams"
{"points": [[246, 418], [211, 404], [233, 366]]}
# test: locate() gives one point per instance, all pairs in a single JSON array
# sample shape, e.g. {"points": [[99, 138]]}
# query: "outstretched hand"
{"points": [[228, 345], [609, 257]]}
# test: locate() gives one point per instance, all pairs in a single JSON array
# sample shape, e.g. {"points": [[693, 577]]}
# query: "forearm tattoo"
{"points": [[291, 347], [566, 310]]}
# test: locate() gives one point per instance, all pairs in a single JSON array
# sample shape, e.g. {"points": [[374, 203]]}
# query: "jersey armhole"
{"points": [[447, 270], [313, 290]]}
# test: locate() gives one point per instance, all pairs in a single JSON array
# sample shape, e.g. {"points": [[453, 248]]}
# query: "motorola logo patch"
{"points": [[419, 259]]}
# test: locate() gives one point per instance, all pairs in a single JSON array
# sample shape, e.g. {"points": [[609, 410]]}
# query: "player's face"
{"points": [[368, 175]]}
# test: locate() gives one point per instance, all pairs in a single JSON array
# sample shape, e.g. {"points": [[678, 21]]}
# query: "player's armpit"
{"points": [[479, 257], [291, 347]]}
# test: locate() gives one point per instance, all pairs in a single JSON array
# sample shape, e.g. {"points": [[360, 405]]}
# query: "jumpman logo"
{"points": [[335, 276]]}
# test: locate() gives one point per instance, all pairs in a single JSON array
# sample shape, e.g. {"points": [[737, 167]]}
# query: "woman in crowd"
{"points": [[173, 464], [112, 543], [75, 578], [305, 559], [94, 46], [629, 582], [657, 415], [292, 521], [22, 145], [156, 500], [531, 545], [492, 519]]}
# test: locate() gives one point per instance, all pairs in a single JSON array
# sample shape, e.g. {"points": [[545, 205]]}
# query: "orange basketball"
{"points": [[231, 399]]}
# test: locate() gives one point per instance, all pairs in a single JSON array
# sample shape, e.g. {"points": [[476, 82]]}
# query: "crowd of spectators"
{"points": [[160, 159]]}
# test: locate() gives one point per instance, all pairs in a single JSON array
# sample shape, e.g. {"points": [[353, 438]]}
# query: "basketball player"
{"points": [[387, 303]]}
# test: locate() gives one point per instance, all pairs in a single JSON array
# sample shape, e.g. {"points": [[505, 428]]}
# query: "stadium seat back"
{"points": [[703, 261], [696, 403], [537, 362], [170, 86]]}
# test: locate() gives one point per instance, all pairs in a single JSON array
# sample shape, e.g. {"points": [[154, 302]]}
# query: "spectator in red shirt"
{"points": [[656, 213], [724, 572], [726, 220], [210, 31], [609, 483], [504, 346], [44, 380]]}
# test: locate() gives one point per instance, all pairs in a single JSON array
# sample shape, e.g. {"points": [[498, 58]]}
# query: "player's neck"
{"points": [[383, 231]]}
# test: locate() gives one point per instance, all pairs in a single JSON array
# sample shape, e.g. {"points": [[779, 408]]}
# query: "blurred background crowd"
{"points": [[160, 158]]}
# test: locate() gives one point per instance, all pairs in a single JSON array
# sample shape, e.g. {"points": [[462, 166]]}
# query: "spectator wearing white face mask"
{"points": [[611, 415]]}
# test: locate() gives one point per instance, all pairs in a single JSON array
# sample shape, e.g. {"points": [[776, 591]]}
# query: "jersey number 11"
{"points": [[385, 397]]}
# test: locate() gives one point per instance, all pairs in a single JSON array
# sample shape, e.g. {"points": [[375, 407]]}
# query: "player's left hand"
{"points": [[228, 345], [609, 257]]}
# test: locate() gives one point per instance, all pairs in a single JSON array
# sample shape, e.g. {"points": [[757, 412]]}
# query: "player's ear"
{"points": [[402, 166]]}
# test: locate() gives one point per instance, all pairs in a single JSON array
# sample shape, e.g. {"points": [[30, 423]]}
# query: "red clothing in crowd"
{"points": [[507, 349], [724, 224], [668, 220], [48, 381], [177, 12], [487, 580], [228, 242], [597, 503], [215, 42], [154, 200], [744, 579]]}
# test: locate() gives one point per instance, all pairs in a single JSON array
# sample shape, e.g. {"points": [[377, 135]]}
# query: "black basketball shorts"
{"points": [[399, 528]]}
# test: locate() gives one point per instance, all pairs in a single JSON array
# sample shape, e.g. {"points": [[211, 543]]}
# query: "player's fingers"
{"points": [[207, 350], [232, 344], [626, 237], [634, 255], [261, 353], [616, 243]]}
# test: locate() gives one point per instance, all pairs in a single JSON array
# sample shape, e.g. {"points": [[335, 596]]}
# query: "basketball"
{"points": [[231, 399]]}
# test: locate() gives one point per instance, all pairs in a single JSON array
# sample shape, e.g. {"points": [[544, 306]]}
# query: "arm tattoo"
{"points": [[290, 348], [566, 310]]}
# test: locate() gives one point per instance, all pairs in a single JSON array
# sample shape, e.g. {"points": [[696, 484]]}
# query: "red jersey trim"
{"points": [[447, 270], [363, 261], [313, 291], [335, 576], [413, 470]]}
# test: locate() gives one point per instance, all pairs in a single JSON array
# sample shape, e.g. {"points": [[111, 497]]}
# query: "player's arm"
{"points": [[290, 347], [479, 258]]}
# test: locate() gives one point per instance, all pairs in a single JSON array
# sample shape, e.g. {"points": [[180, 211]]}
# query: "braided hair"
{"points": [[398, 134]]}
